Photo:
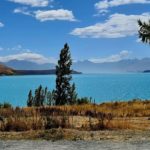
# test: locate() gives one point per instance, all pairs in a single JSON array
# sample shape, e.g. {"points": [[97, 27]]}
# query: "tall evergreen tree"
{"points": [[30, 99], [39, 96], [63, 77], [50, 98], [73, 94], [144, 31]]}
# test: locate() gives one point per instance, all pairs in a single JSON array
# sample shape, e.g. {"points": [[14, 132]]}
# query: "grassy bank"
{"points": [[107, 116]]}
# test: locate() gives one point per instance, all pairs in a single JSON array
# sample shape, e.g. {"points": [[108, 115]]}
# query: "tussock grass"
{"points": [[111, 115]]}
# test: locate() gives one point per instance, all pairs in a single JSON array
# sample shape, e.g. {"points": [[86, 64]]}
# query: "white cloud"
{"points": [[138, 40], [25, 54], [1, 48], [48, 15], [117, 25], [17, 48], [103, 5], [33, 57], [1, 24], [113, 58], [60, 14], [23, 10], [33, 3]]}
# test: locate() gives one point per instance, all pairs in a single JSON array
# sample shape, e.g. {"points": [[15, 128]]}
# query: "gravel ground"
{"points": [[74, 145]]}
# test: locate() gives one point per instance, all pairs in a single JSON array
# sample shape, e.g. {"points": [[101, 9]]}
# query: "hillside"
{"points": [[123, 66], [126, 65], [27, 65], [6, 70]]}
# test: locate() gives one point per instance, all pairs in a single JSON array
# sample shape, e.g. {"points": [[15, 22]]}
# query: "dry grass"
{"points": [[114, 115]]}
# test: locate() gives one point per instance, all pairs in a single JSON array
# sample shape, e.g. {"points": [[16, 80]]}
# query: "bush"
{"points": [[5, 105], [84, 100], [37, 125], [52, 123], [15, 125], [57, 122]]}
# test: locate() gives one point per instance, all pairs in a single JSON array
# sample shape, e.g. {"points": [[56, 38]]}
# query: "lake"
{"points": [[101, 87], [70, 145]]}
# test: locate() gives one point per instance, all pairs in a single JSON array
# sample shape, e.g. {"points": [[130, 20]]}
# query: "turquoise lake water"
{"points": [[101, 87]]}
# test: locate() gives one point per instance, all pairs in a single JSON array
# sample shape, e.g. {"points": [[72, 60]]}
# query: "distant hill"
{"points": [[27, 65], [128, 65], [6, 70], [146, 71]]}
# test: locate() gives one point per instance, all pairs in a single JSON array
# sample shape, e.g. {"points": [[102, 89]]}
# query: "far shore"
{"points": [[32, 72]]}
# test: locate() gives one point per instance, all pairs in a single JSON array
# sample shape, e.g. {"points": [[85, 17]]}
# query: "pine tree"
{"points": [[30, 99], [63, 77], [73, 94], [39, 97], [144, 31], [50, 98]]}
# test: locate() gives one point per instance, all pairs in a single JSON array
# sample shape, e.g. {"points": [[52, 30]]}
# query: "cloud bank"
{"points": [[60, 14], [28, 56], [113, 58], [32, 3], [104, 5], [40, 59], [116, 26], [48, 15]]}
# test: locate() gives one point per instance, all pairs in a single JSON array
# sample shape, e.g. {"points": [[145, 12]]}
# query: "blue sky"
{"points": [[99, 31]]}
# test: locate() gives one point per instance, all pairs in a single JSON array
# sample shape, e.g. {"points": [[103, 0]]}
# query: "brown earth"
{"points": [[73, 134], [6, 70]]}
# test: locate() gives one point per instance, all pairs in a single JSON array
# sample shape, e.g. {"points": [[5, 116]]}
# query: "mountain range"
{"points": [[127, 65], [28, 65], [16, 67]]}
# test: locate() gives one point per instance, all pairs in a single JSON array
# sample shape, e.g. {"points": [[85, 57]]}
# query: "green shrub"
{"points": [[84, 100], [5, 105]]}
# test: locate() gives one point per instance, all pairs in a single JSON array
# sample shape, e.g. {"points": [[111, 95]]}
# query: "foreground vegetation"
{"points": [[114, 115]]}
